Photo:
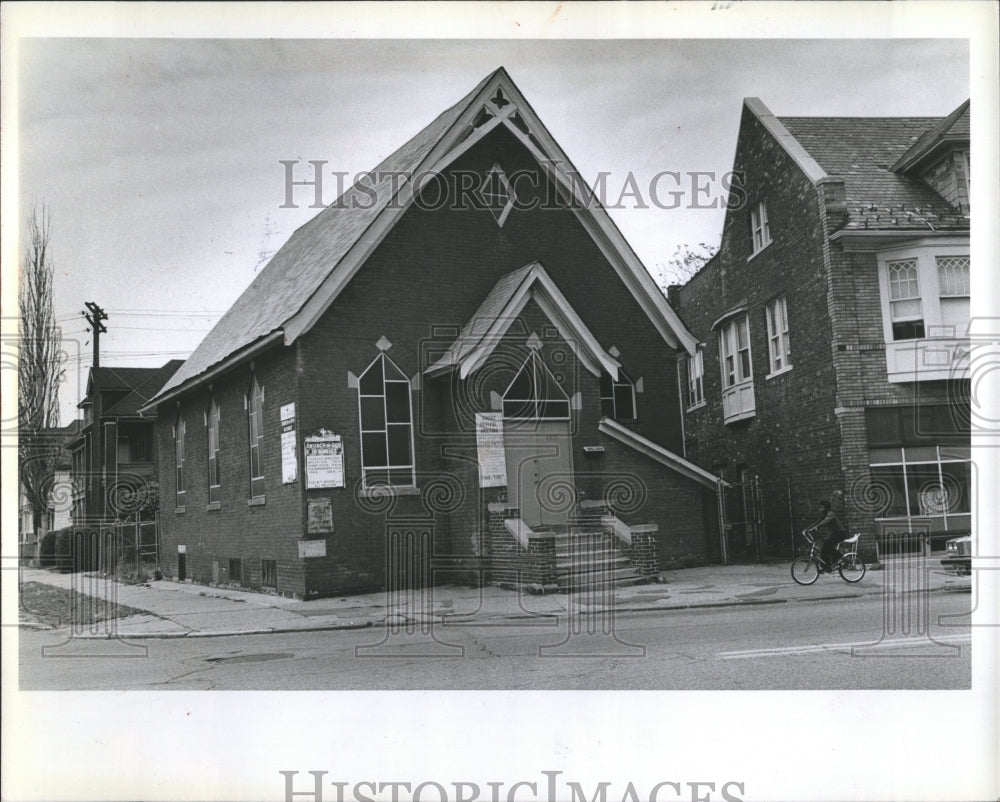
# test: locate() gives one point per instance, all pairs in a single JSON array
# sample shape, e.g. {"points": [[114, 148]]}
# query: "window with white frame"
{"points": [[779, 349], [618, 398], [734, 351], [925, 291], [179, 459], [386, 418], [255, 424], [759, 227], [738, 397], [954, 290], [905, 304], [214, 483], [696, 379]]}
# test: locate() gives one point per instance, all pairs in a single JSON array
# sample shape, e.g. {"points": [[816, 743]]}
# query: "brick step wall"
{"points": [[588, 559]]}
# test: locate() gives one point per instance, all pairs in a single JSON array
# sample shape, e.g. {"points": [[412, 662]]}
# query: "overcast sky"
{"points": [[159, 158]]}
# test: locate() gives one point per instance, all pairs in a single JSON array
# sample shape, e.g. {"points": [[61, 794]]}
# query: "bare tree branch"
{"points": [[685, 262], [39, 367]]}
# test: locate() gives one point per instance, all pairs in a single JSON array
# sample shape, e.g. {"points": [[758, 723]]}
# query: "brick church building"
{"points": [[462, 375], [834, 323]]}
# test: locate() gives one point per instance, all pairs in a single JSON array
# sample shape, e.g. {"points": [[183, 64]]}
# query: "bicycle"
{"points": [[806, 569]]}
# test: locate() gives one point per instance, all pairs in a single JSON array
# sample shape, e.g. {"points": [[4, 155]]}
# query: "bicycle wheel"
{"points": [[852, 569], [805, 571]]}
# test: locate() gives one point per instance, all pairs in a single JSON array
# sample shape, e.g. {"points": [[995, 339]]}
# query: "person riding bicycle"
{"points": [[829, 525]]}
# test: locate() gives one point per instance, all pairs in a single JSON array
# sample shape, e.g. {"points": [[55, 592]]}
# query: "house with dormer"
{"points": [[458, 371], [833, 326]]}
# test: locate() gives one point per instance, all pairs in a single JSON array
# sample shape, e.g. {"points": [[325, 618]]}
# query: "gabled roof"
{"points": [[481, 335], [952, 129], [860, 151], [864, 152], [139, 384], [302, 280]]}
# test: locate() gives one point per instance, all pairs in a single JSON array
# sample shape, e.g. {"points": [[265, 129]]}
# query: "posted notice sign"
{"points": [[489, 444], [289, 453], [324, 461]]}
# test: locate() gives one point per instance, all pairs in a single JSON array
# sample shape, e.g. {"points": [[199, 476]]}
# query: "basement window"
{"points": [[269, 573]]}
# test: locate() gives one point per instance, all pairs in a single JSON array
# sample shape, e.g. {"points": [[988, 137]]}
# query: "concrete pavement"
{"points": [[180, 609]]}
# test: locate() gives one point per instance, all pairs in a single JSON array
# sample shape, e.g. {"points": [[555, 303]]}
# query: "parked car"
{"points": [[958, 559]]}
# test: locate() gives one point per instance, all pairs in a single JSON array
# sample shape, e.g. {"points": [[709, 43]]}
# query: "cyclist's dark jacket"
{"points": [[831, 527]]}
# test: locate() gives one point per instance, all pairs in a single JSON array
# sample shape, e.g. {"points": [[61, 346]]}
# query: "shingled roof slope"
{"points": [[956, 126], [309, 256], [144, 383], [862, 151]]}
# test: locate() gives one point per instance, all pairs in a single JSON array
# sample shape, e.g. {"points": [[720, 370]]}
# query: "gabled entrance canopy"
{"points": [[481, 335]]}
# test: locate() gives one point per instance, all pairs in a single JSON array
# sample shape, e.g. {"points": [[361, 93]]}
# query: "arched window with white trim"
{"points": [[385, 412], [255, 423]]}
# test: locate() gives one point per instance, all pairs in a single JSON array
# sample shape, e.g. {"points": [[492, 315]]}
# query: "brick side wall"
{"points": [[794, 433], [236, 530], [808, 439]]}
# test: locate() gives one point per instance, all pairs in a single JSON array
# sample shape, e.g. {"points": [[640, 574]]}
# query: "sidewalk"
{"points": [[178, 609]]}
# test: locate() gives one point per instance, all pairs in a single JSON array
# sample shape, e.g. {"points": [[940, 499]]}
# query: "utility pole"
{"points": [[95, 319]]}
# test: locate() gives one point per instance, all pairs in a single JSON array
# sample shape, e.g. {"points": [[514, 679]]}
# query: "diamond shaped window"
{"points": [[497, 194]]}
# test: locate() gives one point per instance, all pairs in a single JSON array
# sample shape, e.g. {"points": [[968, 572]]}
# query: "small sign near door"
{"points": [[489, 443]]}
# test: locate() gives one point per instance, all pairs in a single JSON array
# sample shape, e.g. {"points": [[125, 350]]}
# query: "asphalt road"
{"points": [[835, 644]]}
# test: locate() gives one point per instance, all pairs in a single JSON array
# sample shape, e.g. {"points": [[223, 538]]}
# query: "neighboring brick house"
{"points": [[115, 449], [470, 379], [834, 321]]}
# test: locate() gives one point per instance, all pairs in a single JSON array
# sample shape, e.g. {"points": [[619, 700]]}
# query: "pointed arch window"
{"points": [[214, 483], [255, 424], [385, 412], [618, 397], [534, 394], [179, 459]]}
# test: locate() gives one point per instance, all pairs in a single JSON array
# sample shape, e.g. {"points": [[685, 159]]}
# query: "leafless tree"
{"points": [[39, 367], [685, 262]]}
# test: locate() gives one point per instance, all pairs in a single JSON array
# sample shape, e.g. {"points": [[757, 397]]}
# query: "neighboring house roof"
{"points": [[301, 281], [142, 384], [481, 335], [861, 151], [954, 128]]}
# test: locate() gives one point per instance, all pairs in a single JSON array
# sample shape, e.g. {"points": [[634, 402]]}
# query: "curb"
{"points": [[514, 617]]}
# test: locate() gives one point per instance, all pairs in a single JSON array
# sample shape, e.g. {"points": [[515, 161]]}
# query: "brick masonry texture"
{"points": [[417, 289], [807, 440]]}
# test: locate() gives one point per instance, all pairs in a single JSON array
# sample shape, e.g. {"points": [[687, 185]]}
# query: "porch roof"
{"points": [[481, 335]]}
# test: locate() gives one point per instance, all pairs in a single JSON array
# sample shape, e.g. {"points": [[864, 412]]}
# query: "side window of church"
{"points": [[386, 415]]}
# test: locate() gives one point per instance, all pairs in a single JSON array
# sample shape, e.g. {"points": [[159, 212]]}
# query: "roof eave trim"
{"points": [[538, 285], [806, 163], [658, 453], [230, 362]]}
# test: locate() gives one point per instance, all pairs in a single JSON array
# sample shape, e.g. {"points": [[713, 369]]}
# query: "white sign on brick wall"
{"points": [[489, 443]]}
